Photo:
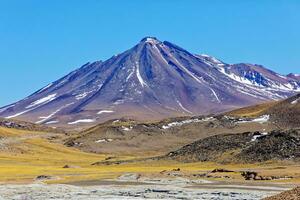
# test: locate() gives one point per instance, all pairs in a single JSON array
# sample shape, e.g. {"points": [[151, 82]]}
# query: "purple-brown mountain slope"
{"points": [[151, 81]]}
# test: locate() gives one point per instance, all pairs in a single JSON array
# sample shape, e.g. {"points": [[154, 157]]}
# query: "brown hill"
{"points": [[22, 125], [285, 113]]}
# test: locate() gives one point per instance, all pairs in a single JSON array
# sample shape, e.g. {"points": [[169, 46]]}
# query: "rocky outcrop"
{"points": [[249, 175]]}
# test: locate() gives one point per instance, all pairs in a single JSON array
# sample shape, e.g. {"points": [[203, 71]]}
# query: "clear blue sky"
{"points": [[40, 41]]}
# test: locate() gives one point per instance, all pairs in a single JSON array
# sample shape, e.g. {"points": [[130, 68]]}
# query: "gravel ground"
{"points": [[59, 192], [293, 194]]}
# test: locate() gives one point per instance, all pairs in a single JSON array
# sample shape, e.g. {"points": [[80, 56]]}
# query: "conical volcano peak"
{"points": [[150, 81], [150, 39]]}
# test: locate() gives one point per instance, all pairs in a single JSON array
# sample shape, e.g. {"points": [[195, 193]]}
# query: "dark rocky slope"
{"points": [[248, 147]]}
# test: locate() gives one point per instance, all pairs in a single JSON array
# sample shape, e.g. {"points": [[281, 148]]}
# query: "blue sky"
{"points": [[40, 41]]}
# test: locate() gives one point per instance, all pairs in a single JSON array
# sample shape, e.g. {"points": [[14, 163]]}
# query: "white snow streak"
{"points": [[128, 77], [52, 122], [183, 108], [185, 69], [166, 62], [18, 114], [215, 94], [105, 111], [82, 121], [52, 114], [81, 96], [142, 82], [46, 99]]}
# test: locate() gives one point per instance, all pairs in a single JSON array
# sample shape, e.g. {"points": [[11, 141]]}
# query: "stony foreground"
{"points": [[43, 191], [287, 195]]}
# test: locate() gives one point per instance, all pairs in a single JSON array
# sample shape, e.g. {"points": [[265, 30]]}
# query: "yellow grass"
{"points": [[252, 111], [33, 156]]}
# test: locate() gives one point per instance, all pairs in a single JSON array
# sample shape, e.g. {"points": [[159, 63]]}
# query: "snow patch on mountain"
{"points": [[81, 96], [151, 40], [237, 78], [210, 60], [185, 69], [142, 82], [215, 95], [52, 114], [52, 122], [183, 108], [18, 114], [43, 100], [295, 101], [82, 121], [105, 111]]}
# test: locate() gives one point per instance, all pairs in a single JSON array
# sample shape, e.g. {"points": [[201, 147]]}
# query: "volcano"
{"points": [[151, 81]]}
